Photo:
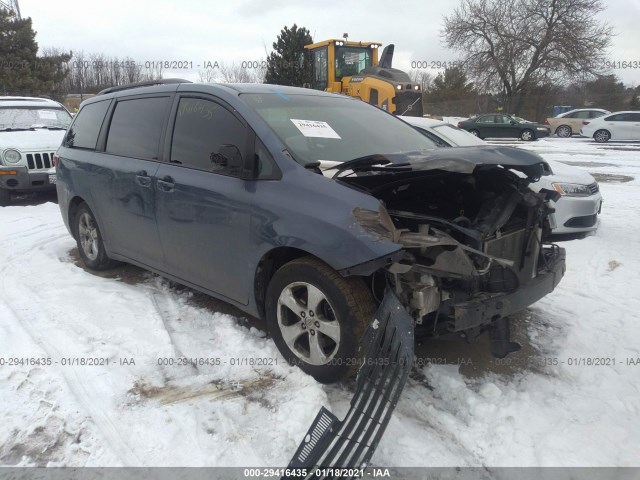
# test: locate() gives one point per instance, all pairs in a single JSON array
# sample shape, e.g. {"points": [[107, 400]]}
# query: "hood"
{"points": [[567, 174], [32, 140], [467, 159]]}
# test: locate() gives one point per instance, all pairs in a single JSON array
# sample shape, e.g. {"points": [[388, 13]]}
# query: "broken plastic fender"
{"points": [[388, 355]]}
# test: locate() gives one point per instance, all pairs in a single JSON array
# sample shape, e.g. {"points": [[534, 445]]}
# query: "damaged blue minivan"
{"points": [[289, 204]]}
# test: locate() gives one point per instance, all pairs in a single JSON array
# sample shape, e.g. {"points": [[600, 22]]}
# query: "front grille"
{"points": [[40, 161], [408, 103], [593, 188]]}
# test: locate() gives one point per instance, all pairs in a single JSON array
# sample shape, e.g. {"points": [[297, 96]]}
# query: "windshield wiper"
{"points": [[51, 127], [12, 129]]}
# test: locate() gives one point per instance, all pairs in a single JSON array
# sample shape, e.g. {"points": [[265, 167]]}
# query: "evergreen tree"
{"points": [[23, 72], [451, 93], [452, 84], [634, 104], [284, 66]]}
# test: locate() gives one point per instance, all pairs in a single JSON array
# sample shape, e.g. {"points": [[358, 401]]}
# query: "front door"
{"points": [[202, 206]]}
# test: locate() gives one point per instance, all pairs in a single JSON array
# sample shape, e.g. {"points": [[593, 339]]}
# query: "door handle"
{"points": [[143, 179], [166, 184]]}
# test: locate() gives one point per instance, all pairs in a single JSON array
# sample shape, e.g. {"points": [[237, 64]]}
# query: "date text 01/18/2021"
{"points": [[217, 361]]}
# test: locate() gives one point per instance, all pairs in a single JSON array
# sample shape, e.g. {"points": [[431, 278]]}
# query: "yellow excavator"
{"points": [[352, 68]]}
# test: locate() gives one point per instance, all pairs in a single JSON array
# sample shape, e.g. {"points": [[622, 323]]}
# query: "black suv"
{"points": [[302, 207]]}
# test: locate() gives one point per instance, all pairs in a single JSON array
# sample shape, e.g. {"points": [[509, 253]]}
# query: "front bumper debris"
{"points": [[483, 310], [388, 346]]}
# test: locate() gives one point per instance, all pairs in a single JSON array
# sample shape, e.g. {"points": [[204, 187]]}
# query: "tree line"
{"points": [[516, 56], [451, 93]]}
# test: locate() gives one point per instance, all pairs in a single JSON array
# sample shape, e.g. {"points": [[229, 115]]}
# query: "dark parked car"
{"points": [[291, 205], [499, 125]]}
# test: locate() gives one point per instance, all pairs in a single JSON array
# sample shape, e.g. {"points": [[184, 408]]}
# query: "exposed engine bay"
{"points": [[474, 247]]}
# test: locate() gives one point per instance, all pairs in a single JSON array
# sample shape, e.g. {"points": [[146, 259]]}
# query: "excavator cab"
{"points": [[353, 68]]}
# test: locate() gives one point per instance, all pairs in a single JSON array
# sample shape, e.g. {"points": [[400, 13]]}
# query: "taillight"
{"points": [[56, 160], [546, 122], [584, 122], [459, 125]]}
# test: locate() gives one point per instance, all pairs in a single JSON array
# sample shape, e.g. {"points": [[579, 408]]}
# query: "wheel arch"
{"points": [[602, 130], [268, 265], [74, 203]]}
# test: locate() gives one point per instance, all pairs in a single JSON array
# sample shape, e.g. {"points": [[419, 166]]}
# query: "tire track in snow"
{"points": [[31, 315]]}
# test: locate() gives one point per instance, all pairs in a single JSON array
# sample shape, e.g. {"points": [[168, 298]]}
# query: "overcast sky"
{"points": [[241, 30]]}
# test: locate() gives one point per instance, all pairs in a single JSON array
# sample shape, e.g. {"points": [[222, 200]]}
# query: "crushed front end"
{"points": [[473, 242]]}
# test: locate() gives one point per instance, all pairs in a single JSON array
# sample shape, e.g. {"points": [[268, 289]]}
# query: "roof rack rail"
{"points": [[147, 83]]}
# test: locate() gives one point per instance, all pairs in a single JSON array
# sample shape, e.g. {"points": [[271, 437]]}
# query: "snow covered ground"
{"points": [[571, 397]]}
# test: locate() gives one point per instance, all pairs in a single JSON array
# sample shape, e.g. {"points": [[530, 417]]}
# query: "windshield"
{"points": [[351, 60], [338, 129], [33, 117], [457, 136]]}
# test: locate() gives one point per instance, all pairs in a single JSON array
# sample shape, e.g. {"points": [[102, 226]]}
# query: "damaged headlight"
{"points": [[571, 189], [378, 224]]}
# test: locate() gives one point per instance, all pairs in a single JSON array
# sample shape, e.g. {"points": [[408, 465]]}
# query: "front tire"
{"points": [[527, 135], [5, 197], [316, 317], [564, 131], [602, 136], [89, 240]]}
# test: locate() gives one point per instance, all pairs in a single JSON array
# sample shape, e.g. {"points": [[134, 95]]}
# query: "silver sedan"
{"points": [[579, 206]]}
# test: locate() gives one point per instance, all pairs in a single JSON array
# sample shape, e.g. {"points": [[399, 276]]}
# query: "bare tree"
{"points": [[210, 75], [422, 77], [517, 45]]}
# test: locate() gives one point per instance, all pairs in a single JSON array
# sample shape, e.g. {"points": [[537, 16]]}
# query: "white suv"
{"points": [[31, 130]]}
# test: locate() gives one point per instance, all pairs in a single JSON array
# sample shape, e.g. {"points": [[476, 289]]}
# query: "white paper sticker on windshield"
{"points": [[47, 114], [315, 128]]}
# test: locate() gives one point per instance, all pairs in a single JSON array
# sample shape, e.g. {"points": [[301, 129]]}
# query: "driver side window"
{"points": [[202, 134], [487, 119]]}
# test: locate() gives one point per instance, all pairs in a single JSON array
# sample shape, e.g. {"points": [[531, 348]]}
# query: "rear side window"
{"points": [[487, 119], [86, 127], [620, 117], [136, 127], [202, 127]]}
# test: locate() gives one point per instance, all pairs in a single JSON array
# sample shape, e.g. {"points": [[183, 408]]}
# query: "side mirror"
{"points": [[228, 157]]}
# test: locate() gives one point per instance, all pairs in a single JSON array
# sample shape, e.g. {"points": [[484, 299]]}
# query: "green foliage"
{"points": [[283, 64], [634, 104], [607, 90], [452, 84], [24, 72], [450, 93]]}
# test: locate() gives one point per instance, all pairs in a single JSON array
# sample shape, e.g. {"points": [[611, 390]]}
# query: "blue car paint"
{"points": [[213, 239]]}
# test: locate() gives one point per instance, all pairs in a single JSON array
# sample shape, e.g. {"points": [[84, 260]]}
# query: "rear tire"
{"points": [[89, 240], [475, 133], [602, 136], [527, 135], [564, 131], [316, 318], [5, 197]]}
